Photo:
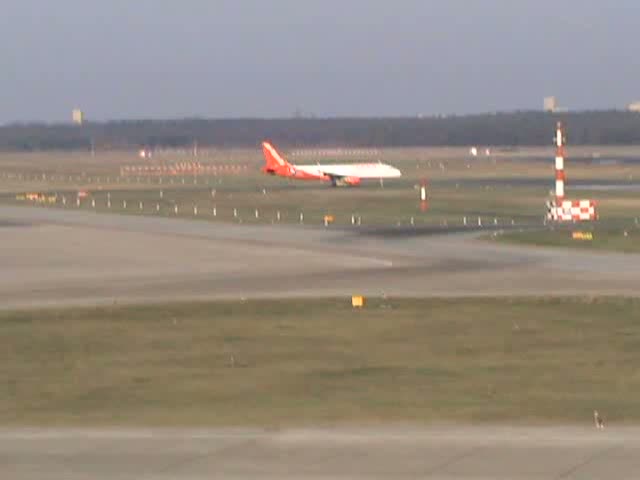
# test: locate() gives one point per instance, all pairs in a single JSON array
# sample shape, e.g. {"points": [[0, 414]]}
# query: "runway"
{"points": [[445, 453], [57, 257]]}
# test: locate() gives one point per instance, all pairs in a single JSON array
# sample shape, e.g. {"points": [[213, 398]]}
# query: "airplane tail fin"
{"points": [[274, 162]]}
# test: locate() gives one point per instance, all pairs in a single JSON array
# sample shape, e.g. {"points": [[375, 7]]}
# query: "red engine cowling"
{"points": [[352, 180]]}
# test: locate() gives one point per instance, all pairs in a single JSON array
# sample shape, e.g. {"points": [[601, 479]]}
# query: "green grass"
{"points": [[397, 203], [621, 238], [458, 188], [320, 362]]}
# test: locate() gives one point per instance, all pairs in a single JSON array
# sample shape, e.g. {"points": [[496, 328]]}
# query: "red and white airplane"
{"points": [[338, 175]]}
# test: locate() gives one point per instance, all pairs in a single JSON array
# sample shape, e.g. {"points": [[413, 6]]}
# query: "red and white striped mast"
{"points": [[560, 141]]}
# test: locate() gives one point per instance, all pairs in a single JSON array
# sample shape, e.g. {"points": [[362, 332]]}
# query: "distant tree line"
{"points": [[501, 129]]}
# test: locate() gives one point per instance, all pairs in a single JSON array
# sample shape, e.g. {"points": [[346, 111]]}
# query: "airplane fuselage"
{"points": [[337, 174]]}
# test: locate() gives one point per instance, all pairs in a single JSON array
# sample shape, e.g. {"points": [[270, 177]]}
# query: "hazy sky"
{"points": [[228, 58]]}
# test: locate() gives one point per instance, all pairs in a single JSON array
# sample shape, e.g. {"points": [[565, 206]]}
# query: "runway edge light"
{"points": [[357, 301]]}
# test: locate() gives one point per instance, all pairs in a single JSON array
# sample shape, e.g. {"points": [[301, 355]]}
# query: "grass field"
{"points": [[273, 363], [607, 238], [285, 204], [510, 187]]}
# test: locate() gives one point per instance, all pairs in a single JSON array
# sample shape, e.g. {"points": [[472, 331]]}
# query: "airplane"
{"points": [[338, 174]]}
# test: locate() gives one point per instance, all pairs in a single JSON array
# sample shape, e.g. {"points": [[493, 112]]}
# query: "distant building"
{"points": [[77, 116], [550, 104], [634, 107]]}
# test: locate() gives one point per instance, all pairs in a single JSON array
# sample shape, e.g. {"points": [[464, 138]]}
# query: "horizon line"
{"points": [[88, 121]]}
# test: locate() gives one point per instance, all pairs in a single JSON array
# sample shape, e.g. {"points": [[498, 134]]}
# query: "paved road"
{"points": [[56, 257], [445, 453]]}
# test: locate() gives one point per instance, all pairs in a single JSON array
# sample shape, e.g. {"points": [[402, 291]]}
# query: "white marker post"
{"points": [[423, 196]]}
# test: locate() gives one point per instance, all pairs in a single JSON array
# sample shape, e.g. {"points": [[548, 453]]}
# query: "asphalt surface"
{"points": [[445, 453], [57, 257]]}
